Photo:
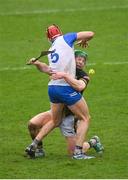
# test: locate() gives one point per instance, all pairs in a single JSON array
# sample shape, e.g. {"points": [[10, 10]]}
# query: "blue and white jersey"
{"points": [[63, 59]]}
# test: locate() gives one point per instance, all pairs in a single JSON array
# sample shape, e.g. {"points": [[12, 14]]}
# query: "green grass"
{"points": [[23, 93]]}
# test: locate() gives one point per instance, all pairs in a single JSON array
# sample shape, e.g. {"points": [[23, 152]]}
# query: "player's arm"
{"points": [[78, 85], [43, 67], [83, 37]]}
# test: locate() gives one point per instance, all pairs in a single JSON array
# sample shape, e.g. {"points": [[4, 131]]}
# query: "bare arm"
{"points": [[43, 67], [78, 85], [83, 37]]}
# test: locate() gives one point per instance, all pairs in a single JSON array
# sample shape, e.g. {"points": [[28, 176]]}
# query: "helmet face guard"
{"points": [[53, 31]]}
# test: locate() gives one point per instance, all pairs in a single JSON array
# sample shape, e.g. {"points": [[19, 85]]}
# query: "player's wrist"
{"points": [[36, 62], [65, 75]]}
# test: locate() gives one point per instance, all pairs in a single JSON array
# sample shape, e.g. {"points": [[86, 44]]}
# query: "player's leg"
{"points": [[95, 143], [67, 130], [71, 141], [34, 126], [37, 122], [80, 109], [56, 110], [86, 145]]}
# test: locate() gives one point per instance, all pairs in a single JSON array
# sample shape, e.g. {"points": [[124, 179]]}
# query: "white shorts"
{"points": [[67, 126]]}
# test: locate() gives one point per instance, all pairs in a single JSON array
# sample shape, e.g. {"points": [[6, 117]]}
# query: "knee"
{"points": [[32, 126], [87, 119], [33, 129], [55, 124]]}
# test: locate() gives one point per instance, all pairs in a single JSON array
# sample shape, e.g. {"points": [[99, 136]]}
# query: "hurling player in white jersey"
{"points": [[60, 92]]}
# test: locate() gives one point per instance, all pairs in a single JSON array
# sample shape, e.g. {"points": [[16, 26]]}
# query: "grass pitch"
{"points": [[23, 90]]}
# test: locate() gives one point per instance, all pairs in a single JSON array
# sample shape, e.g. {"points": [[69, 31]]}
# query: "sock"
{"points": [[78, 149], [40, 145], [35, 143], [92, 142]]}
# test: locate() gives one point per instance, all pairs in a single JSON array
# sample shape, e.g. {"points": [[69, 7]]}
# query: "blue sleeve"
{"points": [[70, 38]]}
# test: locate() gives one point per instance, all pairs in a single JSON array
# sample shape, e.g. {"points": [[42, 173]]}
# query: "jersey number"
{"points": [[54, 57]]}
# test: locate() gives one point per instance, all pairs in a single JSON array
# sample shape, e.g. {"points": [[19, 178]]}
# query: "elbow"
{"points": [[80, 88], [91, 34]]}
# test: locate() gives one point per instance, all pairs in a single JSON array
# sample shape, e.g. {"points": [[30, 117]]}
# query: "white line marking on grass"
{"points": [[89, 64], [49, 11], [15, 68], [109, 63], [115, 63]]}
